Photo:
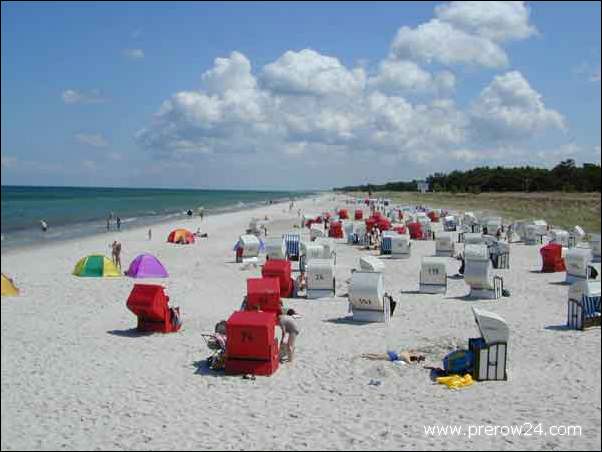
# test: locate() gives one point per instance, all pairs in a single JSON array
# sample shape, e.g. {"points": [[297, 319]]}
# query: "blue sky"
{"points": [[293, 95]]}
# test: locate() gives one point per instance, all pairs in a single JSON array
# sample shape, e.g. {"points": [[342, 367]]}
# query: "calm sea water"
{"points": [[75, 212]]}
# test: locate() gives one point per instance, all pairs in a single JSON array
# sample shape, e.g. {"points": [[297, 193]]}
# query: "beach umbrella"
{"points": [[96, 266], [146, 266], [8, 287], [181, 235]]}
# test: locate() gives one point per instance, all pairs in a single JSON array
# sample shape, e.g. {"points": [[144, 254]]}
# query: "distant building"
{"points": [[423, 186]]}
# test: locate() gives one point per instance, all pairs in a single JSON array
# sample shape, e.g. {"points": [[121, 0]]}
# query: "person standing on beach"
{"points": [[118, 223], [116, 254], [150, 234], [108, 223], [290, 331]]}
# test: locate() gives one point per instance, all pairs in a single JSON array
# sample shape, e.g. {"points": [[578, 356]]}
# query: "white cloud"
{"points": [[241, 116], [402, 76], [440, 42], [233, 73], [96, 140], [237, 115], [134, 54], [494, 20], [309, 73], [71, 96], [311, 109], [509, 108]]}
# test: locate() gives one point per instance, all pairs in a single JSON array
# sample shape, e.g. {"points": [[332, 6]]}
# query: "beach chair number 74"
{"points": [[246, 336], [319, 277]]}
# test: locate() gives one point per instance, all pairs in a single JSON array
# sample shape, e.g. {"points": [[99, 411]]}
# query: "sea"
{"points": [[75, 212]]}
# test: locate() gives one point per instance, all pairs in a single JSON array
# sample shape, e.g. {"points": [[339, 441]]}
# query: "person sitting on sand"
{"points": [[290, 331]]}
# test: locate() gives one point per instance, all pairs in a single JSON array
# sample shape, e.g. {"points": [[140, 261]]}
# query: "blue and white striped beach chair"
{"points": [[385, 245], [584, 314], [293, 242]]}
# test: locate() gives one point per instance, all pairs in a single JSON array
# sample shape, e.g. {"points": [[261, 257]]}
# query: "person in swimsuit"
{"points": [[290, 331]]}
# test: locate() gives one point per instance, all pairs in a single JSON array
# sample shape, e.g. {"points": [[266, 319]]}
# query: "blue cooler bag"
{"points": [[458, 362]]}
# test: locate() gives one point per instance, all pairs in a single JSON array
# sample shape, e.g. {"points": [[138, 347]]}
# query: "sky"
{"points": [[287, 95]]}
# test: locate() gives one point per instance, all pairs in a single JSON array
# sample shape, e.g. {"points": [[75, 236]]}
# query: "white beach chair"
{"points": [[479, 275], [433, 275], [367, 297]]}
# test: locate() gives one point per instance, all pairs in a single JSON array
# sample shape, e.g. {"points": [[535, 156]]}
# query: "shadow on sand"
{"points": [[345, 321], [202, 368], [132, 332], [558, 328]]}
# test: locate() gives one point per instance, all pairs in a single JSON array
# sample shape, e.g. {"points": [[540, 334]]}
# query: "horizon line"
{"points": [[158, 188]]}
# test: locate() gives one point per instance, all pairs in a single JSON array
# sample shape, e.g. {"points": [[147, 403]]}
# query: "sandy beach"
{"points": [[75, 375]]}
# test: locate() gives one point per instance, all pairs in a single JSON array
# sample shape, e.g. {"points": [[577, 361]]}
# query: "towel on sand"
{"points": [[456, 381]]}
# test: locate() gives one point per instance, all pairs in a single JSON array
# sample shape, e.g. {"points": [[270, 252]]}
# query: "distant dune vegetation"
{"points": [[565, 196]]}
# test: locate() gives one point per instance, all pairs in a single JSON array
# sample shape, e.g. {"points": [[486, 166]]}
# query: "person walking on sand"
{"points": [[113, 250], [117, 254], [290, 331], [150, 234]]}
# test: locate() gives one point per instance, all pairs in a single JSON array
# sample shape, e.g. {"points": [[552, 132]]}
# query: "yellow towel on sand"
{"points": [[456, 381]]}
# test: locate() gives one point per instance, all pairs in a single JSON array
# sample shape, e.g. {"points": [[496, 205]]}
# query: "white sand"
{"points": [[75, 377]]}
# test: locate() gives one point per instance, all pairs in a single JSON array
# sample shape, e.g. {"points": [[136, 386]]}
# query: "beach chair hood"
{"points": [[493, 328]]}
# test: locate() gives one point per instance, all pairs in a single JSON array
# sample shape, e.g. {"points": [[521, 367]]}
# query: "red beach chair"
{"points": [[280, 269], [551, 256], [150, 304], [252, 347], [416, 232], [336, 230], [263, 294]]}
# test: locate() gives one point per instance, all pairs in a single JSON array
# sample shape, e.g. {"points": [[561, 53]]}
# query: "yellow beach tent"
{"points": [[8, 288], [96, 266]]}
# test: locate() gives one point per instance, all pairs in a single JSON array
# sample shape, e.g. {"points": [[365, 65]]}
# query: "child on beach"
{"points": [[290, 331]]}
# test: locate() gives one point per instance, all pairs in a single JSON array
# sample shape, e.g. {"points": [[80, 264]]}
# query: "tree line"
{"points": [[566, 177]]}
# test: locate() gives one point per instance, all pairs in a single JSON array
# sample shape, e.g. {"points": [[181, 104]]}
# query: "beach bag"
{"points": [[458, 362]]}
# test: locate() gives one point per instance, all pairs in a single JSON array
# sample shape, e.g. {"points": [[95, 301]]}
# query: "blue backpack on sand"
{"points": [[458, 362]]}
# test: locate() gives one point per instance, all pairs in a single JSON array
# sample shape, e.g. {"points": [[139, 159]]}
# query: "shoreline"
{"points": [[161, 220]]}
